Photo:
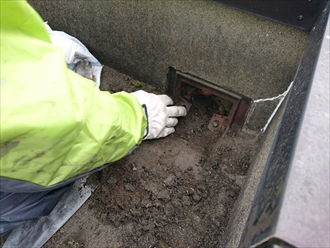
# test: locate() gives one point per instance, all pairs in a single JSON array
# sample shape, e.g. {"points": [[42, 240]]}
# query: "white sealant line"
{"points": [[282, 96]]}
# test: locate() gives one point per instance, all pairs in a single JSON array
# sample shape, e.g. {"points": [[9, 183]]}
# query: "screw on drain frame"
{"points": [[215, 123]]}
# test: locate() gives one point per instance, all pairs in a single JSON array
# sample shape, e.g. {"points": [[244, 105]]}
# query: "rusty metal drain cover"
{"points": [[225, 108]]}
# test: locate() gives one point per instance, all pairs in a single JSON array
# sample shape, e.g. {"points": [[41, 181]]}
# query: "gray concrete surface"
{"points": [[240, 52]]}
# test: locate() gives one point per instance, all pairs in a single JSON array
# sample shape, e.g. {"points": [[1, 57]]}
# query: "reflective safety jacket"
{"points": [[55, 124]]}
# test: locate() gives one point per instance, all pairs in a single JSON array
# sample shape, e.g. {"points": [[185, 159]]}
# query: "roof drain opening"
{"points": [[225, 108]]}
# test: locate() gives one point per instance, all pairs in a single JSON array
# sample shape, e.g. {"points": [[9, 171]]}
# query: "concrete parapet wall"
{"points": [[240, 52], [243, 53]]}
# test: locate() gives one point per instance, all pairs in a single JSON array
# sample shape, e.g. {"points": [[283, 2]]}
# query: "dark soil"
{"points": [[175, 192], [178, 191]]}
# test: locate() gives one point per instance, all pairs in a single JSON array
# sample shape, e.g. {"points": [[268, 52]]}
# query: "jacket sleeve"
{"points": [[55, 124]]}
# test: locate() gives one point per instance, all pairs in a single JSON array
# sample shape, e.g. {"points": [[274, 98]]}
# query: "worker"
{"points": [[57, 126]]}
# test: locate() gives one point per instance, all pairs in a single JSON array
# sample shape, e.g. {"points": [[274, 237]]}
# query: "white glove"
{"points": [[161, 118]]}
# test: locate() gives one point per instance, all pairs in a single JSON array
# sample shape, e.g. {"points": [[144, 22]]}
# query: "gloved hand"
{"points": [[161, 118]]}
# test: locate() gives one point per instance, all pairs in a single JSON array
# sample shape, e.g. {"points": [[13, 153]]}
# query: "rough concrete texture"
{"points": [[240, 52]]}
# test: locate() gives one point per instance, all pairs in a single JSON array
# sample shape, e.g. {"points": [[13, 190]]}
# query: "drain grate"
{"points": [[225, 108]]}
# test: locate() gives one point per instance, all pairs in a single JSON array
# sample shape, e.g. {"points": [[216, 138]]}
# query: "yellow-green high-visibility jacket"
{"points": [[55, 124]]}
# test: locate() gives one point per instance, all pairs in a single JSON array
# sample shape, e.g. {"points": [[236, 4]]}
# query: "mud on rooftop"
{"points": [[174, 192]]}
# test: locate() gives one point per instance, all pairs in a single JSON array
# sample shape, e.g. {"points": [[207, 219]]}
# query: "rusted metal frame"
{"points": [[222, 122], [217, 122]]}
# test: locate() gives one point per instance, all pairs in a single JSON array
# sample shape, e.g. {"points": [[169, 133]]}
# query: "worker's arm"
{"points": [[55, 124]]}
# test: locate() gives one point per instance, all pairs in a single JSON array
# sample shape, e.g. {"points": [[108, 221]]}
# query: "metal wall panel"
{"points": [[291, 207], [298, 13]]}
